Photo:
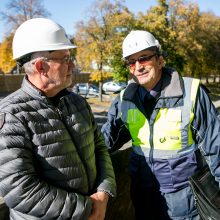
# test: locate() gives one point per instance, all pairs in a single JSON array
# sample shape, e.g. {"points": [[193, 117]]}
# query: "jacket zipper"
{"points": [[77, 148], [151, 122]]}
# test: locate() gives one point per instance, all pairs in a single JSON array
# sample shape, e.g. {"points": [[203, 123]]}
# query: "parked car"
{"points": [[113, 86], [86, 89]]}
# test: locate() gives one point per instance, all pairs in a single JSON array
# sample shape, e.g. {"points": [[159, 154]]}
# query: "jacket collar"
{"points": [[33, 91], [172, 84]]}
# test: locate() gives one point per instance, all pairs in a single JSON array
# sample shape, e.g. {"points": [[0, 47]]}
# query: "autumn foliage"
{"points": [[189, 37]]}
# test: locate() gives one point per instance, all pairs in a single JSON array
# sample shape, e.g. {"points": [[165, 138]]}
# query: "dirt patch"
{"points": [[96, 101]]}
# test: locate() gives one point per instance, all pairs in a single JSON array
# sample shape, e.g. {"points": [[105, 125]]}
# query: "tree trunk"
{"points": [[100, 91]]}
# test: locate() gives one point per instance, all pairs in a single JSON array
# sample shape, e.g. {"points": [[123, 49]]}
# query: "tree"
{"points": [[19, 11], [98, 39], [185, 22], [198, 38], [182, 30], [157, 21], [188, 36], [209, 38], [6, 62]]}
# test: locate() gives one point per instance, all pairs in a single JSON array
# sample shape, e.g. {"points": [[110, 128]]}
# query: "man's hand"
{"points": [[100, 200]]}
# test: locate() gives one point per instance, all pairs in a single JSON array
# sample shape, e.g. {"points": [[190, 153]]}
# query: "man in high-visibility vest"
{"points": [[173, 125]]}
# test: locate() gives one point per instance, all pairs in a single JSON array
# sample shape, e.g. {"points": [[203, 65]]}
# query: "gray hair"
{"points": [[28, 66]]}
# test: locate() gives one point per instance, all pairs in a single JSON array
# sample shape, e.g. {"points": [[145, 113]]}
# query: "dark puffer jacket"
{"points": [[51, 158]]}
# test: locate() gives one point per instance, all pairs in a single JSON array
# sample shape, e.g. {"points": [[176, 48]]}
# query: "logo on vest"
{"points": [[162, 140]]}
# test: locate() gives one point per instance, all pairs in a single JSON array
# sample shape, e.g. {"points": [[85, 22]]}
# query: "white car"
{"points": [[113, 86]]}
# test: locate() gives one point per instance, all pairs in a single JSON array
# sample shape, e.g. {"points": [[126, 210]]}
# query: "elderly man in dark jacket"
{"points": [[53, 163]]}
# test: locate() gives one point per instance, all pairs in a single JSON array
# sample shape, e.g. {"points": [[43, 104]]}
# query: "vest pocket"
{"points": [[167, 130]]}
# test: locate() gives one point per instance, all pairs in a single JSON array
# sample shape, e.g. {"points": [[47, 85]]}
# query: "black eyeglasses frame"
{"points": [[141, 60]]}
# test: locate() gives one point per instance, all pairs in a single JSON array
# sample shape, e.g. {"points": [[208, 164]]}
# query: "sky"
{"points": [[68, 12]]}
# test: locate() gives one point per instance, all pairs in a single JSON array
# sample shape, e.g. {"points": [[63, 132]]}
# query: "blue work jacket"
{"points": [[171, 173]]}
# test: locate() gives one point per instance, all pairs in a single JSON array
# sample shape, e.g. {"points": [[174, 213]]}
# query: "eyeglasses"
{"points": [[141, 60], [66, 59]]}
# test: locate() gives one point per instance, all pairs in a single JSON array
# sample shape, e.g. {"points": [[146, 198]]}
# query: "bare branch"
{"points": [[19, 11]]}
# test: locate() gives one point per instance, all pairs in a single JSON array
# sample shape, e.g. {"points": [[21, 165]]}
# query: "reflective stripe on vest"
{"points": [[171, 129]]}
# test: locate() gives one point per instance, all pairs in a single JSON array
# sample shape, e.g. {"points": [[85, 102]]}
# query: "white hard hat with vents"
{"points": [[39, 34], [137, 41]]}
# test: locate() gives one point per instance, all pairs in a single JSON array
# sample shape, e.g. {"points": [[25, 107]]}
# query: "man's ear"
{"points": [[39, 65], [161, 62]]}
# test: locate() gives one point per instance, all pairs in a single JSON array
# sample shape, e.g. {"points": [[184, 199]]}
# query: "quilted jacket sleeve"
{"points": [[105, 173], [23, 190]]}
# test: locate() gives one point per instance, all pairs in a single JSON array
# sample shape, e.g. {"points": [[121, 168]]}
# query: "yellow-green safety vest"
{"points": [[171, 129]]}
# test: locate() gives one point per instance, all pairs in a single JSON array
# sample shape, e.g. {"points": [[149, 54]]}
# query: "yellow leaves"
{"points": [[182, 30], [101, 36], [98, 76], [6, 61]]}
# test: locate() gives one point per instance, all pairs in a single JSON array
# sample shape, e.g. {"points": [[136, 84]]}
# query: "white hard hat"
{"points": [[137, 41], [39, 34]]}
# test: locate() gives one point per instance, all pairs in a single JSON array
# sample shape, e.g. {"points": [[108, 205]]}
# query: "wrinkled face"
{"points": [[60, 69], [146, 68]]}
